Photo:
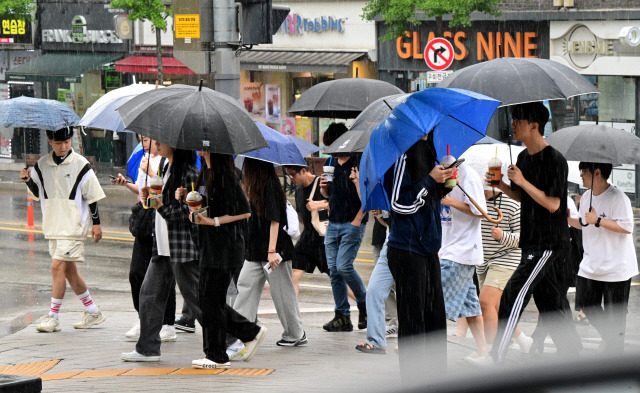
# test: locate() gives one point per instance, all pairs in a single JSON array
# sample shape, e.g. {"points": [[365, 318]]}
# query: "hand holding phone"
{"points": [[456, 163]]}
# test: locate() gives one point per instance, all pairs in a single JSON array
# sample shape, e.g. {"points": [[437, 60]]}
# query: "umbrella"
{"points": [[193, 118], [356, 139], [29, 112], [457, 117], [528, 80], [133, 163], [281, 150], [596, 143], [305, 147], [102, 114], [341, 98]]}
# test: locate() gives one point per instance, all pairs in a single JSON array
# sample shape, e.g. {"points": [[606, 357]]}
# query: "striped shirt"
{"points": [[505, 252]]}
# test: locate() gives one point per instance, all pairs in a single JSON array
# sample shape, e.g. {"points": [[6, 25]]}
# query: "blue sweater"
{"points": [[415, 211]]}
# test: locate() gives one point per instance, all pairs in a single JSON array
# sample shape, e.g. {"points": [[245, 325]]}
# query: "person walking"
{"points": [[175, 255], [68, 191], [143, 239], [269, 251], [415, 186], [609, 260], [539, 182], [222, 246]]}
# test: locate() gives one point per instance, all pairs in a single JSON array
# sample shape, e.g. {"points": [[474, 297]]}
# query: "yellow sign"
{"points": [[187, 26]]}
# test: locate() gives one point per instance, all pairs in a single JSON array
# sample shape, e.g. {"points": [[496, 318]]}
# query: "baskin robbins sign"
{"points": [[296, 24]]}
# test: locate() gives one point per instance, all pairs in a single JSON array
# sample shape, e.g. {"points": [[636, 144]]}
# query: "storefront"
{"points": [[313, 45], [607, 52]]}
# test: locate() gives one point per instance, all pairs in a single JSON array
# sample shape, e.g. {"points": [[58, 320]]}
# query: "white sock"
{"points": [[522, 339], [85, 298], [55, 307], [169, 327]]}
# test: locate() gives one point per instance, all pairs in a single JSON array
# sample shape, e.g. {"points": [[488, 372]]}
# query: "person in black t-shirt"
{"points": [[539, 182], [269, 251], [309, 249]]}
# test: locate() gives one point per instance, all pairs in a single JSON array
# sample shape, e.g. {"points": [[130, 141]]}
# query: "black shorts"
{"points": [[308, 258]]}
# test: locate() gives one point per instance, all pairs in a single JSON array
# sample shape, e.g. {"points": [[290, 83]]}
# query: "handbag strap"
{"points": [[313, 190]]}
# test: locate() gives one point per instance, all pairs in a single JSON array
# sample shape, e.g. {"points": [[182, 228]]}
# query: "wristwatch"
{"points": [[598, 222]]}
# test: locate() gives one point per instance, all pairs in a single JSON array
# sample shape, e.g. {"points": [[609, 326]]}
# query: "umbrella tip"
{"points": [[200, 88]]}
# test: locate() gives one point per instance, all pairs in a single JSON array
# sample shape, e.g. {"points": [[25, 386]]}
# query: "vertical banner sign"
{"points": [[438, 54], [273, 104], [289, 126], [252, 96], [303, 128]]}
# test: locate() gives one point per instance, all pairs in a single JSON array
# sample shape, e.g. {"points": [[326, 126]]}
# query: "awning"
{"points": [[60, 67], [149, 65], [298, 61]]}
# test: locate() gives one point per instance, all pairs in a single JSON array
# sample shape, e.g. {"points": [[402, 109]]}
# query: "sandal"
{"points": [[370, 348], [581, 320]]}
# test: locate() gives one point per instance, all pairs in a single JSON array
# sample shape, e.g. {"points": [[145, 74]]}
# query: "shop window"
{"points": [[616, 103]]}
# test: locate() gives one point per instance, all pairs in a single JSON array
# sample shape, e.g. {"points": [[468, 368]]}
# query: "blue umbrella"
{"points": [[305, 147], [133, 163], [29, 112], [457, 117], [281, 150]]}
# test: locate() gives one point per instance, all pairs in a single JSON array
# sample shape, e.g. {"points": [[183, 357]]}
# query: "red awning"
{"points": [[149, 65]]}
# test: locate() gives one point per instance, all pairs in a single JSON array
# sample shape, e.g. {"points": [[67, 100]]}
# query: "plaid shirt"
{"points": [[183, 235]]}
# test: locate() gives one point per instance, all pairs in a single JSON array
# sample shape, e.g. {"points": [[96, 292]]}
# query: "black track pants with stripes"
{"points": [[537, 275]]}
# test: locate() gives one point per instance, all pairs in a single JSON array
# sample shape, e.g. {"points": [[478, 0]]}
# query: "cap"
{"points": [[60, 135]]}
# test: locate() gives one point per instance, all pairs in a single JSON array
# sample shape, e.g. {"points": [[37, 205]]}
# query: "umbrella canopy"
{"points": [[357, 138], [29, 112], [192, 118], [102, 114], [528, 80], [597, 143], [305, 147], [281, 150], [133, 163], [478, 155], [341, 98], [458, 118]]}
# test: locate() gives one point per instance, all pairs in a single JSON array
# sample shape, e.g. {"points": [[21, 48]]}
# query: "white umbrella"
{"points": [[102, 114]]}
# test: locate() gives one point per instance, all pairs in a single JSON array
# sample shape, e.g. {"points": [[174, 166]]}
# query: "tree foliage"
{"points": [[154, 11], [19, 9], [397, 14]]}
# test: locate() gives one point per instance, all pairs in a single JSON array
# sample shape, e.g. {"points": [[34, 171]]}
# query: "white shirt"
{"points": [[462, 233], [608, 256], [162, 231], [154, 163]]}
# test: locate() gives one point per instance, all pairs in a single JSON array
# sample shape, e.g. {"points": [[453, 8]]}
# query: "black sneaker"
{"points": [[339, 323], [298, 343], [185, 325]]}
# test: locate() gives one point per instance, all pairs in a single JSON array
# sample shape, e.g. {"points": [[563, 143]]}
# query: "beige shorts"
{"points": [[495, 276], [67, 250]]}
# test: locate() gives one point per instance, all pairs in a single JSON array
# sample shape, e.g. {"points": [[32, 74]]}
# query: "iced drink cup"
{"points": [[328, 173], [446, 162], [495, 171], [194, 201]]}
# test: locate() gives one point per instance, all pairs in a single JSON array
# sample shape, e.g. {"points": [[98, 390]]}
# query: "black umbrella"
{"points": [[596, 143], [357, 138], [193, 118], [341, 98], [517, 80]]}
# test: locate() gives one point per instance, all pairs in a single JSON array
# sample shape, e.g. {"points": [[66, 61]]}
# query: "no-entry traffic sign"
{"points": [[438, 54]]}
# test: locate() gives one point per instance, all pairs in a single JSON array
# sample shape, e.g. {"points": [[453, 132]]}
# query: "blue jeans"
{"points": [[380, 284], [341, 243]]}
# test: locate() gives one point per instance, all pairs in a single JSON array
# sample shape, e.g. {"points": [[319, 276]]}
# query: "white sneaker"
{"points": [[484, 360], [252, 346], [48, 324], [168, 333], [391, 331], [236, 350], [138, 357], [206, 363], [134, 332], [90, 319]]}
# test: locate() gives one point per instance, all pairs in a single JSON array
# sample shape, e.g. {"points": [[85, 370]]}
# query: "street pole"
{"points": [[225, 65]]}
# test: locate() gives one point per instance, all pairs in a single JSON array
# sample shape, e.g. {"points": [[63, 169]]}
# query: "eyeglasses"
{"points": [[291, 176]]}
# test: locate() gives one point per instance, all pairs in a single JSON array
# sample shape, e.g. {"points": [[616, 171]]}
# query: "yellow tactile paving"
{"points": [[29, 369], [150, 371], [102, 373], [253, 372], [197, 371], [59, 376]]}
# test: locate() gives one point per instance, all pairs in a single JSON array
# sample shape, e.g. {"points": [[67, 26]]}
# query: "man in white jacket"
{"points": [[68, 191]]}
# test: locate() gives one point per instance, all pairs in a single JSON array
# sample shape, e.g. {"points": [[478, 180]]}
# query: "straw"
{"points": [[448, 151], [192, 187], [496, 151]]}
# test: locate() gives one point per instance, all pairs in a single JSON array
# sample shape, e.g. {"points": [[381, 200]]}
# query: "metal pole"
{"points": [[637, 195], [225, 64]]}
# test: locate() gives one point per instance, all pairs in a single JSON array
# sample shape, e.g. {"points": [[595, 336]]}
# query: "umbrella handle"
{"points": [[485, 215]]}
